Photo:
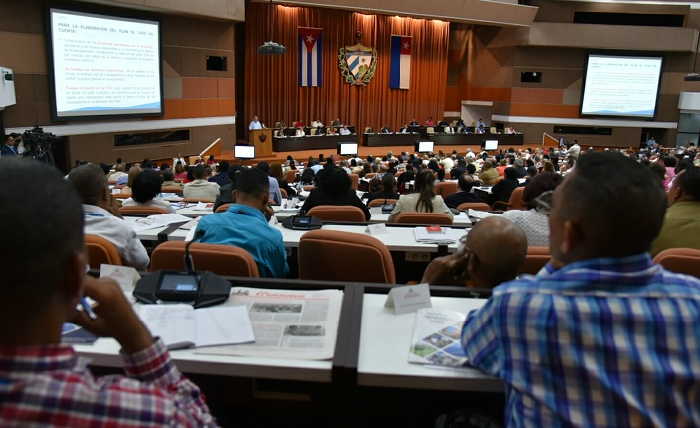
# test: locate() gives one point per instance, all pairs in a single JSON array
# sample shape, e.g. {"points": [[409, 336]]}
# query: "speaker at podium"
{"points": [[262, 140]]}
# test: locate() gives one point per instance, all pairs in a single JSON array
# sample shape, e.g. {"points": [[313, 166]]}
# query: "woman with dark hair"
{"points": [[538, 198], [180, 172], [670, 164], [404, 180], [276, 172], [424, 201], [307, 177], [333, 187], [387, 189], [501, 191], [145, 191]]}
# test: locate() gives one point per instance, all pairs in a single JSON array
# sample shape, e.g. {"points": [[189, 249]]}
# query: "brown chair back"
{"points": [[140, 210], [308, 188], [477, 206], [344, 256], [355, 181], [196, 200], [446, 188], [680, 260], [423, 218], [172, 189], [370, 175], [222, 208], [535, 260], [337, 213], [291, 176], [224, 260], [101, 251], [380, 202]]}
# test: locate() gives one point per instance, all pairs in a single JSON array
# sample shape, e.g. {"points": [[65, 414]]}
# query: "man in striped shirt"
{"points": [[602, 336], [43, 382]]}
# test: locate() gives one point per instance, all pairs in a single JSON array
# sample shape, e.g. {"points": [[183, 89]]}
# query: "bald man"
{"points": [[493, 252]]}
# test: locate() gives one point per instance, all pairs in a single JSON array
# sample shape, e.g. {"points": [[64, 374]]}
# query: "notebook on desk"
{"points": [[181, 326], [444, 236]]}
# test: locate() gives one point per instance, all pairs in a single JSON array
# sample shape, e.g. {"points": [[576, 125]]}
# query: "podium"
{"points": [[262, 140]]}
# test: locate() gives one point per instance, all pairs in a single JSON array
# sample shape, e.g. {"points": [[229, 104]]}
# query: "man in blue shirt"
{"points": [[244, 225], [601, 336]]}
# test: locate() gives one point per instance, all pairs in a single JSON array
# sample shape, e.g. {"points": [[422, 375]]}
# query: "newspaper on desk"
{"points": [[437, 338], [139, 224], [287, 324], [445, 236]]}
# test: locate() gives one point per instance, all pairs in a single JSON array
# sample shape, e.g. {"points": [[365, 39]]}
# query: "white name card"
{"points": [[376, 228], [408, 298]]}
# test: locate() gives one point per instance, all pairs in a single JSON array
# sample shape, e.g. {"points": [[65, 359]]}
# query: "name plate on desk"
{"points": [[408, 298], [376, 228]]}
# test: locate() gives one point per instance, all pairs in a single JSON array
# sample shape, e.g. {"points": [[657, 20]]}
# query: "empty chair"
{"points": [[680, 260], [535, 260], [423, 218], [446, 188], [476, 206], [225, 260], [101, 251], [344, 256], [337, 213], [141, 210], [380, 202]]}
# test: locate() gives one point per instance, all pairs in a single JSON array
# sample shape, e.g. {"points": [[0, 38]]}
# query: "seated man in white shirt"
{"points": [[344, 131], [118, 173], [255, 124], [145, 190], [100, 218], [200, 188]]}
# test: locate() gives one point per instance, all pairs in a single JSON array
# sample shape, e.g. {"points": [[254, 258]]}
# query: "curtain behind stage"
{"points": [[271, 82]]}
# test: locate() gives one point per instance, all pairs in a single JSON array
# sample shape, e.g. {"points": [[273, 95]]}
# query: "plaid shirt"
{"points": [[603, 342], [50, 385]]}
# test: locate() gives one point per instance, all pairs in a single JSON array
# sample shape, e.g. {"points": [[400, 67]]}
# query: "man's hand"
{"points": [[448, 270], [115, 316]]}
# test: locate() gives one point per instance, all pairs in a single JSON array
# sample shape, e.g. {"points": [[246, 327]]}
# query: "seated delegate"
{"points": [[44, 382], [201, 188], [245, 224], [101, 216], [145, 191], [424, 200], [333, 187], [602, 336], [465, 183]]}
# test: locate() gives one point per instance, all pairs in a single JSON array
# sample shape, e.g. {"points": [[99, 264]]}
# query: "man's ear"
{"points": [[73, 278], [572, 238]]}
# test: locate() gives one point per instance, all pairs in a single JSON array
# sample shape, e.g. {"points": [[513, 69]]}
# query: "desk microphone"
{"points": [[189, 264]]}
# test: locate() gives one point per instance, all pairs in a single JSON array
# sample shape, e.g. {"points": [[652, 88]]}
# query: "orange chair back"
{"points": [[172, 189], [477, 206], [355, 181], [196, 200], [423, 218], [446, 188], [370, 175], [309, 188], [337, 213], [344, 256], [516, 199], [680, 260], [222, 208], [224, 260], [535, 260], [380, 202], [101, 251], [140, 210]]}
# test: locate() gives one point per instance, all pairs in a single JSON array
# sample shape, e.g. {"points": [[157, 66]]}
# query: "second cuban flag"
{"points": [[400, 76], [310, 57]]}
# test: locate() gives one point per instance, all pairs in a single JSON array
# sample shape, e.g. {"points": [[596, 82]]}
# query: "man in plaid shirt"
{"points": [[44, 383], [602, 336]]}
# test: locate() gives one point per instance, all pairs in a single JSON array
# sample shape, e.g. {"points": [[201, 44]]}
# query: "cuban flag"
{"points": [[400, 75], [310, 57]]}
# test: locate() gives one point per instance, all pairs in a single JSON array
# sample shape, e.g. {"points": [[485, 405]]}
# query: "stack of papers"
{"points": [[154, 221], [181, 326], [74, 334], [446, 235], [437, 338], [480, 214]]}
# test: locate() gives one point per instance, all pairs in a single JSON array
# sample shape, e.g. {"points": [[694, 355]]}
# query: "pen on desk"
{"points": [[87, 308]]}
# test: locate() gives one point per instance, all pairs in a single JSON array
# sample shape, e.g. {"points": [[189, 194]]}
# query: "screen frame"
{"points": [[357, 149], [644, 54], [108, 12], [425, 141], [497, 144], [241, 145]]}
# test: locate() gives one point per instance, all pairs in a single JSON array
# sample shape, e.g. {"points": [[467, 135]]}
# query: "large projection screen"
{"points": [[104, 65], [621, 85]]}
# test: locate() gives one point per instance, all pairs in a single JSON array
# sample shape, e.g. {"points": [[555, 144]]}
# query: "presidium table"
{"points": [[408, 139], [311, 142]]}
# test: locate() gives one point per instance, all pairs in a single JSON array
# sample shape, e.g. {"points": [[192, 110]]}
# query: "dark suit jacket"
{"points": [[380, 195], [502, 190], [225, 195], [316, 198], [455, 199]]}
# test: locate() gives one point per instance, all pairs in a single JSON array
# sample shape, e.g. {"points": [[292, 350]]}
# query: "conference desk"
{"points": [[385, 340], [398, 139], [310, 142], [396, 238]]}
